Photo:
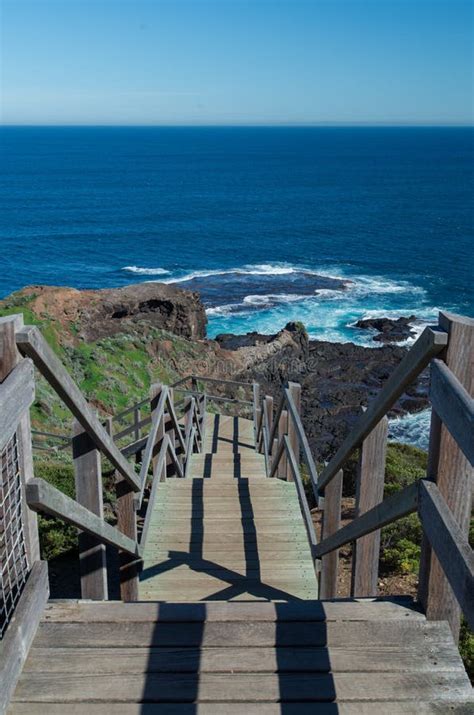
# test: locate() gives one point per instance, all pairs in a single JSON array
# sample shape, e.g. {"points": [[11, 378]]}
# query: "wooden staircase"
{"points": [[227, 532], [222, 609]]}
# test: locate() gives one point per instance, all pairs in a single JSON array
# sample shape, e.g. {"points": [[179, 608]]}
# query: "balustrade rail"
{"points": [[443, 500]]}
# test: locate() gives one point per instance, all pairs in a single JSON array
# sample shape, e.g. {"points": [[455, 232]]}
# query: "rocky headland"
{"points": [[117, 342]]}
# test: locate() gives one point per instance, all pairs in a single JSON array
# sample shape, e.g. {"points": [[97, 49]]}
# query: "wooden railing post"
{"points": [[282, 432], [268, 407], [155, 393], [256, 402], [127, 524], [88, 480], [295, 392], [9, 358], [136, 423], [369, 493], [452, 472], [331, 524]]}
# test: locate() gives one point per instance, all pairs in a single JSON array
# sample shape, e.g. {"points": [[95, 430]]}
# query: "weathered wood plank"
{"points": [[43, 497], [369, 493], [391, 509], [10, 358], [430, 343], [17, 393], [452, 472], [454, 405], [450, 546], [32, 344], [305, 513], [294, 419], [88, 482], [331, 524], [69, 611], [380, 659], [157, 419], [282, 431], [412, 707], [127, 525], [246, 633], [261, 687], [21, 631]]}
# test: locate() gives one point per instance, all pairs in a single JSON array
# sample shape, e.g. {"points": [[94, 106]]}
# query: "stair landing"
{"points": [[348, 658]]}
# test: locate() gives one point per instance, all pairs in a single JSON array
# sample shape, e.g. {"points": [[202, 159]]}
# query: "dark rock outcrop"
{"points": [[390, 330], [337, 380]]}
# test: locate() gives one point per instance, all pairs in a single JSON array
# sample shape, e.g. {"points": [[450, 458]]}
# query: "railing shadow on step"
{"points": [[239, 584], [442, 500]]}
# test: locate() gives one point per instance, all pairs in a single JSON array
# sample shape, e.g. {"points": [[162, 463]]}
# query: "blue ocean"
{"points": [[323, 225]]}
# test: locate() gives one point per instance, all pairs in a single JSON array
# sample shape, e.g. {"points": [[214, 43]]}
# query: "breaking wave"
{"points": [[146, 271], [411, 429], [263, 297]]}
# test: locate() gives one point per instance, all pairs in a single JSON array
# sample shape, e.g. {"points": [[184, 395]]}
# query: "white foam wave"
{"points": [[258, 269], [146, 271], [411, 429], [221, 310], [370, 285], [273, 298]]}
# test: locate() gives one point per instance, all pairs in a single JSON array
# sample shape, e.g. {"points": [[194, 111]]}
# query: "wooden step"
{"points": [[415, 707], [372, 656], [364, 609], [259, 687], [241, 633], [360, 659]]}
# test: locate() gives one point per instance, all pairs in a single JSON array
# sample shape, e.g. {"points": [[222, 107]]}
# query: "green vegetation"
{"points": [[466, 649], [56, 537], [112, 372]]}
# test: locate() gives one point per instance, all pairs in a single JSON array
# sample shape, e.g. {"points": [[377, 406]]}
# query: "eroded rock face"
{"points": [[337, 380], [390, 330], [98, 314]]}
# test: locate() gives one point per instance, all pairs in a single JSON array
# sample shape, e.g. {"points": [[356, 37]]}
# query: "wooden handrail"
{"points": [[132, 428], [119, 415], [17, 393], [166, 449], [430, 343], [303, 440], [215, 380], [304, 506], [216, 398], [391, 509], [446, 538], [454, 406], [43, 497], [150, 443], [31, 343], [450, 546], [277, 458], [265, 440], [176, 424]]}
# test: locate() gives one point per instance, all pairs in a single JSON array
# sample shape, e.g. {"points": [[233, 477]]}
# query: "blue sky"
{"points": [[236, 61]]}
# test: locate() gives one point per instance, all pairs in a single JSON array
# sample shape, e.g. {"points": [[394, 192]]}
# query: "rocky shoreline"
{"points": [[159, 331], [337, 379]]}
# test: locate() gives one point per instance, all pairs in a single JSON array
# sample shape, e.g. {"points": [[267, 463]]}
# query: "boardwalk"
{"points": [[228, 533], [221, 611]]}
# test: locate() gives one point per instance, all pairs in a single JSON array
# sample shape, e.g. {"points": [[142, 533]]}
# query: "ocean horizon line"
{"points": [[243, 125]]}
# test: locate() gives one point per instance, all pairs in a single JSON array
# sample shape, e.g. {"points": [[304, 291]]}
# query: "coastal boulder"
{"points": [[390, 330]]}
